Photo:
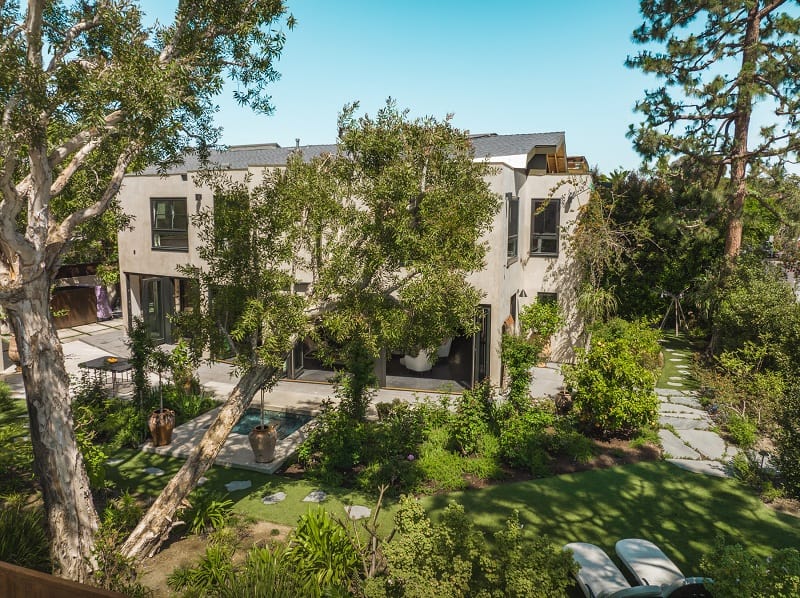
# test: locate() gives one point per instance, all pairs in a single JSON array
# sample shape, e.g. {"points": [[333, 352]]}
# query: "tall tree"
{"points": [[384, 232], [85, 87], [726, 65]]}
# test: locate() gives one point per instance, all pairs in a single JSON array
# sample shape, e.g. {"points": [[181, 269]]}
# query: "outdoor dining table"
{"points": [[108, 363]]}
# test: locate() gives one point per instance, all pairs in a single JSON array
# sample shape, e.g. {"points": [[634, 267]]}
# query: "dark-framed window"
{"points": [[170, 223], [512, 212], [547, 297], [545, 220]]}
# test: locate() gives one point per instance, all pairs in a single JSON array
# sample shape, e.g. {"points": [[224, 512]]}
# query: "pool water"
{"points": [[287, 423]]}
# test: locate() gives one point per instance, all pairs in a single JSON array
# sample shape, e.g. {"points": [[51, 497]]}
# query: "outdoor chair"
{"points": [[599, 577], [649, 565]]}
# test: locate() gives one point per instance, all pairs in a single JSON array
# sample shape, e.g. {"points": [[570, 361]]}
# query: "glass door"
{"points": [[480, 345], [156, 307]]}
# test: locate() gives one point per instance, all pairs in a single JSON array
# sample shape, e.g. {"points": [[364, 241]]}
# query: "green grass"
{"points": [[679, 347], [680, 511], [129, 475]]}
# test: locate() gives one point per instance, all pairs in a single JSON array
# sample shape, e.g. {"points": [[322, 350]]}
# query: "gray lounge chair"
{"points": [[599, 577], [650, 566]]}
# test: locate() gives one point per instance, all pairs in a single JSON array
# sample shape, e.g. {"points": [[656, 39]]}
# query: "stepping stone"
{"points": [[202, 480], [315, 496], [686, 401], [676, 378], [115, 462], [683, 423], [679, 410], [681, 367], [238, 485], [153, 471], [675, 447], [671, 383], [708, 444], [714, 468], [274, 498], [675, 359], [669, 392], [356, 512]]}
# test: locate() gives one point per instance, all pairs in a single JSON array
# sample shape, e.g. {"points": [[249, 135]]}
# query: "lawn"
{"points": [[130, 475], [680, 511], [676, 348]]}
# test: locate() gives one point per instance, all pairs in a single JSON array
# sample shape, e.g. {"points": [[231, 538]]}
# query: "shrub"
{"points": [[738, 572], [640, 339], [524, 440], [23, 537], [613, 395], [471, 418], [214, 571], [6, 398], [741, 430], [209, 513], [451, 558], [321, 552], [788, 442], [265, 574]]}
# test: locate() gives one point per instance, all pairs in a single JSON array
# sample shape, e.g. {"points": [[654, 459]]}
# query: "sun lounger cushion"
{"points": [[599, 577], [648, 563]]}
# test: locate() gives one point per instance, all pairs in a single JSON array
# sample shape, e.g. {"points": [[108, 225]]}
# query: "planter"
{"points": [[13, 351], [263, 440], [161, 422]]}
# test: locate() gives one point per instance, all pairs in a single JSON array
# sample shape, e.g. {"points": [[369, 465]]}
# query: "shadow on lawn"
{"points": [[678, 510]]}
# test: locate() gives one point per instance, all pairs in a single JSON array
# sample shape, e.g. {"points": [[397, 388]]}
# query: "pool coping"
{"points": [[236, 452]]}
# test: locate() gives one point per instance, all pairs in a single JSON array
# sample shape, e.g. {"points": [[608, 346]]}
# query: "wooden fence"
{"points": [[18, 582]]}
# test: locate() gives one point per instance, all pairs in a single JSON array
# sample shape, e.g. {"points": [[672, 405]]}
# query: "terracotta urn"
{"points": [[263, 440], [161, 423]]}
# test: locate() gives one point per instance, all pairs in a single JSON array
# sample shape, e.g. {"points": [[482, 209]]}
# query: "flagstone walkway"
{"points": [[687, 431]]}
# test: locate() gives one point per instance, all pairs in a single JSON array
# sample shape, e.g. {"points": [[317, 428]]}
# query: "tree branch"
{"points": [[72, 33], [60, 153], [64, 231]]}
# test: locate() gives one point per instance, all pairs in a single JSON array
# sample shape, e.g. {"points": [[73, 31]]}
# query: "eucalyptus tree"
{"points": [[85, 87], [382, 234], [730, 90]]}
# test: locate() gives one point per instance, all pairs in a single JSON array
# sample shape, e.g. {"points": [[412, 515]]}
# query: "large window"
{"points": [[545, 215], [512, 209], [170, 224]]}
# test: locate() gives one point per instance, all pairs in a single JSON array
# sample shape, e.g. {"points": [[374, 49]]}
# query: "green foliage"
{"points": [[209, 513], [6, 398], [214, 570], [23, 537], [472, 417], [266, 574], [641, 339], [524, 439], [538, 321], [613, 394], [738, 572], [450, 558], [788, 442], [141, 346], [322, 553], [741, 430], [16, 454], [114, 571]]}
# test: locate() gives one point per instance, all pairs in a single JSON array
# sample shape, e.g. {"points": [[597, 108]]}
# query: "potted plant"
{"points": [[263, 438], [161, 421]]}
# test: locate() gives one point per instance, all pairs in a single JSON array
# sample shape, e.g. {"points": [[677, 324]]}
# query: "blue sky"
{"points": [[507, 66]]}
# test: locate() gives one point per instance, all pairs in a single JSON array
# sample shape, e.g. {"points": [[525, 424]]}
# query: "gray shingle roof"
{"points": [[270, 154]]}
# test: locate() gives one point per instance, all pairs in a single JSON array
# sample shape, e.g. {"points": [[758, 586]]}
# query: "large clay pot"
{"points": [[13, 351], [161, 423], [263, 440]]}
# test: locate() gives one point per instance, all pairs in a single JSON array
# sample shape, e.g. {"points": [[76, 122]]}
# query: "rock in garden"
{"points": [[274, 498], [355, 512], [315, 496], [238, 485], [153, 471]]}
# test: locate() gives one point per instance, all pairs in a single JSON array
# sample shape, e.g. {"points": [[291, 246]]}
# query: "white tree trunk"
{"points": [[155, 526], [71, 516]]}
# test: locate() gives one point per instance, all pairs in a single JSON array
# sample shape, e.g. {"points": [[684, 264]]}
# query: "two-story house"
{"points": [[541, 187]]}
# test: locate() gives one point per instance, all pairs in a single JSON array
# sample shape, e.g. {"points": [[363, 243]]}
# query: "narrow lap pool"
{"points": [[287, 423]]}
